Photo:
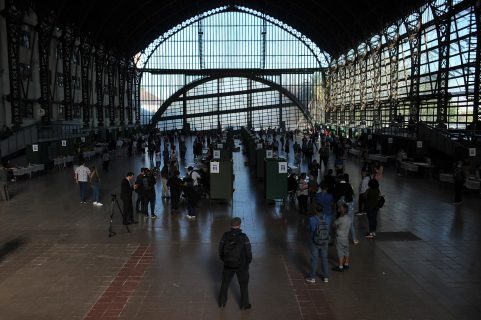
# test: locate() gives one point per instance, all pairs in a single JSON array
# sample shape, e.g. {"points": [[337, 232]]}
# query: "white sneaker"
{"points": [[310, 280], [95, 203], [99, 204], [326, 280]]}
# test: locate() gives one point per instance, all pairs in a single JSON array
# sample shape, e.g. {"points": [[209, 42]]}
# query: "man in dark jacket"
{"points": [[126, 196], [175, 185], [236, 253]]}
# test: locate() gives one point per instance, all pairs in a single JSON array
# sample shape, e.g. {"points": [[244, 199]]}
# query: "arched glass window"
{"points": [[225, 43]]}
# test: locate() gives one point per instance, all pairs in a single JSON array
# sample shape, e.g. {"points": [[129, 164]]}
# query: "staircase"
{"points": [[440, 140]]}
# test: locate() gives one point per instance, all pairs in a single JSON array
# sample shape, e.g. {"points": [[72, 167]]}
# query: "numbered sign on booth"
{"points": [[259, 146], [472, 152], [34, 147], [419, 144], [220, 145], [389, 140], [214, 167], [216, 154], [82, 139], [282, 167], [64, 143], [268, 154]]}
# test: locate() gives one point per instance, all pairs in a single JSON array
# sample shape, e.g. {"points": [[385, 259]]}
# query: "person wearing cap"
{"points": [[194, 175], [342, 226], [236, 253]]}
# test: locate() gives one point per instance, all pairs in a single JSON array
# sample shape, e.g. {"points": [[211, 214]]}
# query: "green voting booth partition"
{"points": [[221, 179], [275, 179], [260, 155]]}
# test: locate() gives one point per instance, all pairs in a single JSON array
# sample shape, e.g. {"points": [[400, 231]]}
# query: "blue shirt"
{"points": [[326, 200]]}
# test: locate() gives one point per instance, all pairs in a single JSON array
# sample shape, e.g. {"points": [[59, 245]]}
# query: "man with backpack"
{"points": [[148, 194], [236, 253], [319, 244]]}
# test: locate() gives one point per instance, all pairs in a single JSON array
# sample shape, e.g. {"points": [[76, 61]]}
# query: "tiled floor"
{"points": [[57, 261]]}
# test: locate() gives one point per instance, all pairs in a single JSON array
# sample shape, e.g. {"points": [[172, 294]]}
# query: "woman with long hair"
{"points": [[95, 183]]}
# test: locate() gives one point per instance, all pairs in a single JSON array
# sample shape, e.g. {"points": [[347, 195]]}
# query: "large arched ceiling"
{"points": [[130, 26]]}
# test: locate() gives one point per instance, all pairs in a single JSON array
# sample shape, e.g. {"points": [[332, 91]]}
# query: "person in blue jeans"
{"points": [[95, 183], [326, 201], [318, 249]]}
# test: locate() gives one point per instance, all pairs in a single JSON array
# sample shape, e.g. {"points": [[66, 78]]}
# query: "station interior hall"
{"points": [[138, 137]]}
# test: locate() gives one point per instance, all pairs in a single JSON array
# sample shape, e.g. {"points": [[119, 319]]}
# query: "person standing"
{"points": [[302, 193], [82, 174], [139, 204], [372, 206], [459, 179], [236, 253], [105, 160], [95, 183], [319, 245], [164, 175], [363, 186], [4, 183], [148, 194], [126, 197], [342, 226], [175, 185], [326, 201], [192, 196]]}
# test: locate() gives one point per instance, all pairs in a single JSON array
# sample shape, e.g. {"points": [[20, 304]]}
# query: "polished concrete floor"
{"points": [[57, 261]]}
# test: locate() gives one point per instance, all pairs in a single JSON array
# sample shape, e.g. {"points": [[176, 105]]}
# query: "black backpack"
{"points": [[321, 234], [233, 251], [381, 202], [146, 183]]}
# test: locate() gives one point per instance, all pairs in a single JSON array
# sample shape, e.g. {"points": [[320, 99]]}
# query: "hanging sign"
{"points": [[259, 146], [220, 145], [34, 147], [64, 143], [216, 154], [268, 154], [214, 167], [282, 167], [472, 152], [419, 144]]}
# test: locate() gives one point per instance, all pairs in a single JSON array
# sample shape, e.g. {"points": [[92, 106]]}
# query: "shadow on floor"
{"points": [[11, 246]]}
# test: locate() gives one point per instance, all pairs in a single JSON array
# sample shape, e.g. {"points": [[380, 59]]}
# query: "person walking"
{"points": [[105, 160], [148, 194], [126, 197], [326, 201], [236, 253], [302, 193], [82, 174], [95, 184], [459, 179], [318, 245], [372, 206], [192, 196], [164, 175]]}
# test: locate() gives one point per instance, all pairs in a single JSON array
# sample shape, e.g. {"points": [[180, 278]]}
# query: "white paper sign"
{"points": [[216, 154], [268, 154], [34, 147], [419, 144], [389, 140], [282, 167], [472, 152], [64, 143], [214, 167], [220, 146], [369, 137], [82, 139], [259, 146]]}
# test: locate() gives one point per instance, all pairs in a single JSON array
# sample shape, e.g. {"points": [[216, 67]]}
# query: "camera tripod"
{"points": [[114, 202]]}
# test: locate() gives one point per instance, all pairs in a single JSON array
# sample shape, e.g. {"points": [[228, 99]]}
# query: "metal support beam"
{"points": [[231, 72], [112, 61], [223, 94], [477, 72], [415, 44], [443, 31], [45, 28], [68, 39], [130, 80], [137, 80], [122, 71], [200, 31], [14, 17], [280, 108], [393, 80], [86, 55], [249, 104], [376, 65], [221, 112], [99, 84], [264, 43]]}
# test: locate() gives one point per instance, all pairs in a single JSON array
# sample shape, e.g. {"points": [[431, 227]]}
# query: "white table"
{"points": [[446, 177], [88, 154], [354, 152], [378, 157], [61, 162], [20, 171]]}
